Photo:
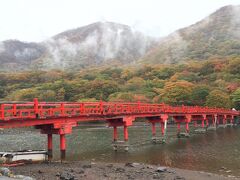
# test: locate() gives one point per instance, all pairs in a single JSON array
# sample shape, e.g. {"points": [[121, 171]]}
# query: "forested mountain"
{"points": [[218, 35], [213, 83], [108, 43]]}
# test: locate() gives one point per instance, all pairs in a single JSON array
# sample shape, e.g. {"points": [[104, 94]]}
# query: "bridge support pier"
{"points": [[231, 122], [178, 120], [123, 122], [178, 127], [203, 125], [187, 127], [163, 128], [61, 130], [153, 130], [195, 124], [115, 133], [213, 124], [222, 121], [162, 119], [50, 147], [125, 131], [202, 129], [63, 147]]}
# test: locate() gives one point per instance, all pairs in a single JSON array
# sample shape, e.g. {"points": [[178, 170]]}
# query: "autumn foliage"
{"points": [[214, 83]]}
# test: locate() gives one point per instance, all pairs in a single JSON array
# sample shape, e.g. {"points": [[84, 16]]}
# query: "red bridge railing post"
{"points": [[101, 107], [14, 109], [2, 111], [62, 109], [36, 110]]}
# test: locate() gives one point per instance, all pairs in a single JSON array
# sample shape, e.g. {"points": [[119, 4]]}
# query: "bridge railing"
{"points": [[64, 109]]}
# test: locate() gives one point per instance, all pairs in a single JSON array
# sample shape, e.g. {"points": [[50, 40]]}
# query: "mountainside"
{"points": [[91, 45], [216, 35], [110, 43], [17, 55]]}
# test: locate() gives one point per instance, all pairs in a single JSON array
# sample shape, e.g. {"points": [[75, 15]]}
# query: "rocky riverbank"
{"points": [[109, 171]]}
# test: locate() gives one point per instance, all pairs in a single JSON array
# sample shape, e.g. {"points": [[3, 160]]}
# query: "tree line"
{"points": [[214, 82]]}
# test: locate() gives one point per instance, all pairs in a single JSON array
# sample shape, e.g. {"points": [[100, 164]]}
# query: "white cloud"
{"points": [[37, 20]]}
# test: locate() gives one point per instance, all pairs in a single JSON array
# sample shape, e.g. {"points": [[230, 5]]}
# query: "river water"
{"points": [[215, 151]]}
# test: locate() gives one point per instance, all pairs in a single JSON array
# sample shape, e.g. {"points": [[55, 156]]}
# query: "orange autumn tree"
{"points": [[217, 98], [177, 93]]}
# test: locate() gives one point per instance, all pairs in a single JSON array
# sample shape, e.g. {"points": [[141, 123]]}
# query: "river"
{"points": [[215, 151]]}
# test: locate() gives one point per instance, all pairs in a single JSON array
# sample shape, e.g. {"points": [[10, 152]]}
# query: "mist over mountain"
{"points": [[217, 35], [17, 55], [108, 43], [95, 44]]}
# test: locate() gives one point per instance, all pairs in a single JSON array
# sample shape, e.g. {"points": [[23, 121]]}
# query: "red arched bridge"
{"points": [[60, 117]]}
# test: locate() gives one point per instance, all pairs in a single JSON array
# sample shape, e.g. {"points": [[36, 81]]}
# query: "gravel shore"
{"points": [[110, 171]]}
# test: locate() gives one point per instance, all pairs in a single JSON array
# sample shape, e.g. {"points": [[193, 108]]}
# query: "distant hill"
{"points": [[216, 35], [95, 44], [17, 55]]}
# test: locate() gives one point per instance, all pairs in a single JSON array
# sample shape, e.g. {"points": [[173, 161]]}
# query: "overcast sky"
{"points": [[36, 20]]}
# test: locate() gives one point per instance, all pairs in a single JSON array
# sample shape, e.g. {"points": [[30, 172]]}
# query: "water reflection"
{"points": [[207, 152]]}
